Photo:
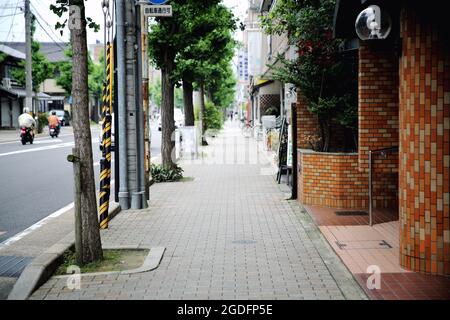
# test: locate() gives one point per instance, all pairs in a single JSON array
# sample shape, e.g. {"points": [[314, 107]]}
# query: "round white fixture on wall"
{"points": [[372, 23]]}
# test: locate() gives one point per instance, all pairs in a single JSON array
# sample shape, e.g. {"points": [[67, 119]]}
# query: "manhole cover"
{"points": [[12, 266], [351, 213], [244, 241], [366, 244]]}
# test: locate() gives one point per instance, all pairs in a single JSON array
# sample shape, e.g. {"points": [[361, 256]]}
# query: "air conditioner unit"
{"points": [[6, 82]]}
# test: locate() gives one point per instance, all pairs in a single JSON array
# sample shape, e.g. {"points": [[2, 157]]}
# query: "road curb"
{"points": [[44, 265], [150, 263]]}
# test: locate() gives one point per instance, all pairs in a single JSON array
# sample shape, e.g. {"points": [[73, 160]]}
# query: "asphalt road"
{"points": [[36, 180]]}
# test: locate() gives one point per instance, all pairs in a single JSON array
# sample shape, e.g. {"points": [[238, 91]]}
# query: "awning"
{"points": [[8, 93], [262, 82], [17, 93]]}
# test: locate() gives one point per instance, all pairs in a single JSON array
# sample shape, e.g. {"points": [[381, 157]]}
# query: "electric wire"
{"points": [[38, 15], [12, 23]]}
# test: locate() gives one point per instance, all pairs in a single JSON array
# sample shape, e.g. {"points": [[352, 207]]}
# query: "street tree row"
{"points": [[195, 47]]}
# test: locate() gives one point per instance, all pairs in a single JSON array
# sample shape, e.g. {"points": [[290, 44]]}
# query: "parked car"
{"points": [[63, 116]]}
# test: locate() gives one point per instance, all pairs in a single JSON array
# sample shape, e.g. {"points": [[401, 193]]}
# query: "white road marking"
{"points": [[56, 146], [35, 226], [47, 141], [39, 224], [35, 140]]}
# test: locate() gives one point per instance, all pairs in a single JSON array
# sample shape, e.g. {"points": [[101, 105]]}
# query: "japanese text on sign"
{"points": [[158, 11]]}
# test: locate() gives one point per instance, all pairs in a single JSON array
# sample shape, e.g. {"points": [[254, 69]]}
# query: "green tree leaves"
{"points": [[42, 69], [320, 70], [96, 74]]}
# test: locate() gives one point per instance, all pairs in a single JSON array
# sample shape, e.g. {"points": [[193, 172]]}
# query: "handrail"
{"points": [[383, 152]]}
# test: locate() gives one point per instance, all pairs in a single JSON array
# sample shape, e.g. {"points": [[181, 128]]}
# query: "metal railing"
{"points": [[383, 153]]}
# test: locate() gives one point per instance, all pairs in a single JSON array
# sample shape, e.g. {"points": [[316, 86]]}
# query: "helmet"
{"points": [[26, 110], [54, 113]]}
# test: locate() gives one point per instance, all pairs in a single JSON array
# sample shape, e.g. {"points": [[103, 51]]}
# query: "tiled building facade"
{"points": [[424, 143], [404, 101]]}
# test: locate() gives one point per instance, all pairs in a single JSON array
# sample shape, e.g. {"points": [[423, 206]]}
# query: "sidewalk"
{"points": [[229, 233]]}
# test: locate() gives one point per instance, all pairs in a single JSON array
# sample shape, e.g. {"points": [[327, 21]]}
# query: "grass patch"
{"points": [[113, 260]]}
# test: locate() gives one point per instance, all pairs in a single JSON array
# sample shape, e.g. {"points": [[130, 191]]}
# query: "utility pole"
{"points": [[28, 64], [124, 198]]}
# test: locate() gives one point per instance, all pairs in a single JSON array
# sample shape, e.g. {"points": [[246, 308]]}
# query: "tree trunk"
{"points": [[167, 119], [325, 132], [91, 242], [189, 118], [202, 114]]}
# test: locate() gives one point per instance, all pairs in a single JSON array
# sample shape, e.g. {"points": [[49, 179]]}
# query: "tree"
{"points": [[198, 64], [91, 247], [221, 84], [155, 93], [320, 72], [95, 74], [168, 37]]}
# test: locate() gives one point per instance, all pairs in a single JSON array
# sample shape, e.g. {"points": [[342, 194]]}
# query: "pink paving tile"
{"points": [[327, 216], [413, 286]]}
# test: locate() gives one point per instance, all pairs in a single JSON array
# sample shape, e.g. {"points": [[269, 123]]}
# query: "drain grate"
{"points": [[12, 266], [244, 242], [351, 213], [363, 244]]}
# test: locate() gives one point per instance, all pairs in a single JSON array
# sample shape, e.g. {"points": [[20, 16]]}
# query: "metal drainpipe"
{"points": [[136, 200], [142, 184], [121, 79], [370, 188], [140, 169]]}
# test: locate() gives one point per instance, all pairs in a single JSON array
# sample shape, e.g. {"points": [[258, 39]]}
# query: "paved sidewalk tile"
{"points": [[229, 234]]}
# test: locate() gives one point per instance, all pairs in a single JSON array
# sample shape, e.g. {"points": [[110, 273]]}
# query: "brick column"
{"points": [[424, 144]]}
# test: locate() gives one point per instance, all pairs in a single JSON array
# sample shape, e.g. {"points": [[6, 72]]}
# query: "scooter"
{"points": [[54, 131], [26, 135]]}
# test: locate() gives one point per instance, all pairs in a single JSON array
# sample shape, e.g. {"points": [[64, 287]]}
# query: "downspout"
{"points": [[121, 79], [140, 116]]}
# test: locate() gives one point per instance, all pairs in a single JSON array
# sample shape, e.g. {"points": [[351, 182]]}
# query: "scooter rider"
{"points": [[26, 120], [53, 121]]}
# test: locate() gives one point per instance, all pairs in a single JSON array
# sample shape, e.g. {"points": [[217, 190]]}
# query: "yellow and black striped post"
{"points": [[105, 162]]}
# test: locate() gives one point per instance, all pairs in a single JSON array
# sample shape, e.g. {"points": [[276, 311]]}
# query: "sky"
{"points": [[12, 20]]}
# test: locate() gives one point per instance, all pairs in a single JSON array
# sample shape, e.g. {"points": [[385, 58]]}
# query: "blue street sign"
{"points": [[157, 1]]}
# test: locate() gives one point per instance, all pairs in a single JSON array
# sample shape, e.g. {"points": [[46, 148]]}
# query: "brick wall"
{"points": [[307, 124], [341, 180], [378, 98], [424, 144], [331, 179]]}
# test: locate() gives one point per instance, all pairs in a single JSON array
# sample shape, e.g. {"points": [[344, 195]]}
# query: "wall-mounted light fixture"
{"points": [[372, 23]]}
